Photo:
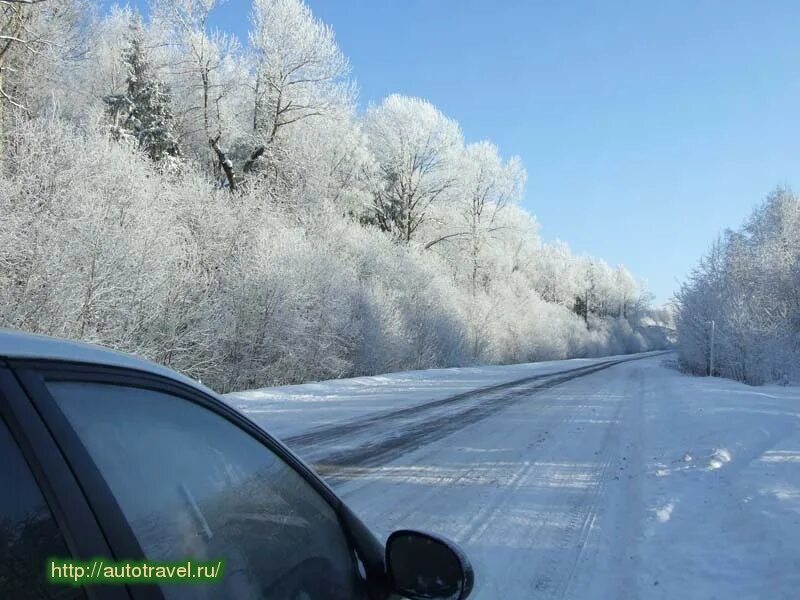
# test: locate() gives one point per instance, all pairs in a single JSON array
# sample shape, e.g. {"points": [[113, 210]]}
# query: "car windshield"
{"points": [[523, 275]]}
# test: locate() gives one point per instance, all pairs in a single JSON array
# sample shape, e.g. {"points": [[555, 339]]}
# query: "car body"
{"points": [[113, 456]]}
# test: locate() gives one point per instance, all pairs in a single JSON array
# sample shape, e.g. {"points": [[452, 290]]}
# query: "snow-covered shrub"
{"points": [[97, 245], [329, 301]]}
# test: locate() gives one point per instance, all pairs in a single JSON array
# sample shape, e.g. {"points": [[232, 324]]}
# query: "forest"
{"points": [[227, 208]]}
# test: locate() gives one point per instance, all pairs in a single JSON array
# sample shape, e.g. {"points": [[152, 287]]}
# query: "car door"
{"points": [[29, 534], [174, 475], [43, 513]]}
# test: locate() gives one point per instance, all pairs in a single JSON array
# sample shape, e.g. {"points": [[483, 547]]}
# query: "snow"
{"points": [[734, 510], [719, 458], [631, 482]]}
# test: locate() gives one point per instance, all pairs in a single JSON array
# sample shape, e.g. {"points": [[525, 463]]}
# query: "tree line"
{"points": [[224, 208], [748, 289]]}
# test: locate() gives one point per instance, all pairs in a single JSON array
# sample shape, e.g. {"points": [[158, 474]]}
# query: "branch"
{"points": [[300, 118], [10, 100], [12, 38], [443, 238]]}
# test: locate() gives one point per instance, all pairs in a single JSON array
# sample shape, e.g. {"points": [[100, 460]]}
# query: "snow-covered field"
{"points": [[621, 481]]}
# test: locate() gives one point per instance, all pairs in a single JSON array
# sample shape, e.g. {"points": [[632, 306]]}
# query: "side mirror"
{"points": [[426, 566]]}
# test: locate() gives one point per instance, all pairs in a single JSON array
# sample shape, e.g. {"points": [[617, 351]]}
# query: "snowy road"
{"points": [[342, 451], [594, 480]]}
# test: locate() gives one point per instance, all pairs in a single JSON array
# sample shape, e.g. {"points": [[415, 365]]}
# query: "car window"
{"points": [[194, 485], [28, 533]]}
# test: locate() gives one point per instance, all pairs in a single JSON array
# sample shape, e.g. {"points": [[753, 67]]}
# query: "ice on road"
{"points": [[584, 479]]}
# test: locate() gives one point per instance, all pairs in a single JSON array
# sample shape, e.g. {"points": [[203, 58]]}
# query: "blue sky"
{"points": [[646, 127]]}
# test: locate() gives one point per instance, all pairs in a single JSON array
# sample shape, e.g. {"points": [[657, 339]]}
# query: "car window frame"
{"points": [[33, 376], [55, 480]]}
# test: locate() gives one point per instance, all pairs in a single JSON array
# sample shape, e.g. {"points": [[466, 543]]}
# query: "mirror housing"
{"points": [[427, 566]]}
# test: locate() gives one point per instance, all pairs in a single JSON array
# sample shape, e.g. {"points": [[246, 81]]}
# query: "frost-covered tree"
{"points": [[554, 274], [14, 17], [472, 233], [300, 72], [626, 294], [485, 185], [143, 112], [417, 149], [300, 100], [103, 71], [41, 42]]}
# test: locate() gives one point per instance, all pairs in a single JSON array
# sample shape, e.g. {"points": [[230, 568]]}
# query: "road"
{"points": [[599, 480]]}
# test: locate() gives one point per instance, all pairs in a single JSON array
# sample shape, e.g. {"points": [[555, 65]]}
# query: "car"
{"points": [[107, 455]]}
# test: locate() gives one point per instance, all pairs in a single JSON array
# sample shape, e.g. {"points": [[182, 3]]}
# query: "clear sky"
{"points": [[646, 127]]}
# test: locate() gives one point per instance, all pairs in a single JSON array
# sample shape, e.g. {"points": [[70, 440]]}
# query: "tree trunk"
{"points": [[253, 158], [224, 162]]}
